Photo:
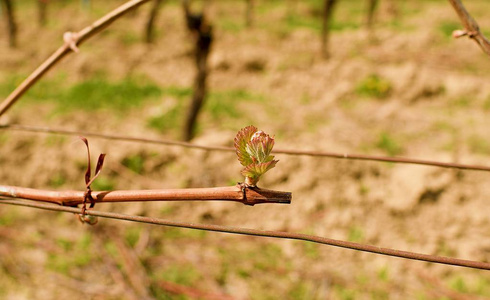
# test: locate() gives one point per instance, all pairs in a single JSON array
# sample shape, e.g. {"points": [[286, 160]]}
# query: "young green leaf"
{"points": [[253, 148], [241, 140]]}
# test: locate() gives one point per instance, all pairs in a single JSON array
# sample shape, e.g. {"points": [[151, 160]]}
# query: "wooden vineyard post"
{"points": [[42, 11], [328, 9], [11, 25], [371, 10], [249, 17], [150, 24], [203, 37]]}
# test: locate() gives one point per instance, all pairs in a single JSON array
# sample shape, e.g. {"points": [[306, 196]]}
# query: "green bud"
{"points": [[253, 148]]}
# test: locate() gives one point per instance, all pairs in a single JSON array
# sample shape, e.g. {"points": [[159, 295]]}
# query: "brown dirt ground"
{"points": [[437, 109]]}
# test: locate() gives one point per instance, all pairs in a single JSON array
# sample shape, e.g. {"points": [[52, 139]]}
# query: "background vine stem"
{"points": [[263, 233], [471, 26], [65, 49], [387, 159]]}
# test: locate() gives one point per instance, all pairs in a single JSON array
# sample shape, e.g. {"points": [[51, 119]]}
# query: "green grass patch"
{"points": [[45, 89], [74, 254], [233, 25], [314, 23], [311, 250], [100, 93], [132, 235], [482, 286], [94, 94], [224, 103], [103, 183], [57, 180], [177, 92], [269, 259], [300, 290], [459, 285], [461, 102], [448, 26], [383, 274], [486, 104], [181, 274], [474, 285], [9, 217], [344, 293], [220, 107], [129, 38], [135, 163], [374, 86], [171, 119], [4, 139], [355, 234], [389, 144], [478, 144], [294, 21]]}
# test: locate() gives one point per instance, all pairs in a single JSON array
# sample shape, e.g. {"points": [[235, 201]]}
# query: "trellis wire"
{"points": [[231, 149], [263, 233]]}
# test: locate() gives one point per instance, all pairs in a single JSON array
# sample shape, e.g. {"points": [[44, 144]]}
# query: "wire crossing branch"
{"points": [[472, 29], [246, 195]]}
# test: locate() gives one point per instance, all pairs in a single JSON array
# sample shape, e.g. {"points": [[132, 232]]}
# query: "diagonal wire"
{"points": [[231, 149], [263, 233]]}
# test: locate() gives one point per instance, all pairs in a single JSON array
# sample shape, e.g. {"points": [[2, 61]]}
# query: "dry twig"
{"points": [[134, 270], [439, 289], [76, 39], [472, 30], [116, 273]]}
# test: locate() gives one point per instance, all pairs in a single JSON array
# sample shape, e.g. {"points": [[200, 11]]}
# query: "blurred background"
{"points": [[392, 83]]}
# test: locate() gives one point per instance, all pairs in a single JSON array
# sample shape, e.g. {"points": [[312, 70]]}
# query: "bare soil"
{"points": [[436, 108]]}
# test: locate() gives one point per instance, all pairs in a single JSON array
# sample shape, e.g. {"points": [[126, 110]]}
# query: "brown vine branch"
{"points": [[66, 48], [231, 149], [264, 233], [248, 195], [472, 30]]}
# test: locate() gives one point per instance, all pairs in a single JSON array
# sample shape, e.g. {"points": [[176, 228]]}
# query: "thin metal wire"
{"points": [[231, 149], [263, 233]]}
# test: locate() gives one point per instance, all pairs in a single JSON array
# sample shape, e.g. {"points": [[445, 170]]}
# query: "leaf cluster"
{"points": [[253, 148]]}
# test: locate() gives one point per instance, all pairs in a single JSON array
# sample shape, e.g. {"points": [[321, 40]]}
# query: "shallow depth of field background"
{"points": [[404, 89]]}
